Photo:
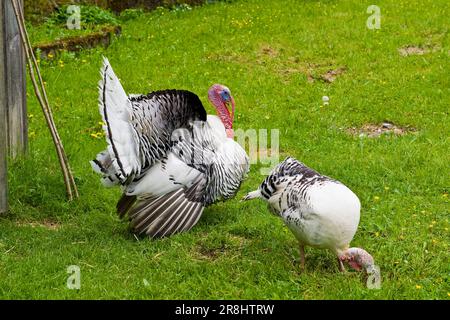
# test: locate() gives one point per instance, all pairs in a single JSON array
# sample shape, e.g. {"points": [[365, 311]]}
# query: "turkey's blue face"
{"points": [[225, 95], [221, 98]]}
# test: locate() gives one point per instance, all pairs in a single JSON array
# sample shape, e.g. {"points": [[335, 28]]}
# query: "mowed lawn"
{"points": [[271, 54]]}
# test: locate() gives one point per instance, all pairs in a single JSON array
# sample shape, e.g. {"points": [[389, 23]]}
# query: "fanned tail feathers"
{"points": [[115, 108], [162, 216]]}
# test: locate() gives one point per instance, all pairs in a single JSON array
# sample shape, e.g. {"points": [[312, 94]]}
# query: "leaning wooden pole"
{"points": [[41, 95]]}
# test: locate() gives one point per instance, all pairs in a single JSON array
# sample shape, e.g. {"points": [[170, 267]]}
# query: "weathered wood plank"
{"points": [[3, 121], [15, 78]]}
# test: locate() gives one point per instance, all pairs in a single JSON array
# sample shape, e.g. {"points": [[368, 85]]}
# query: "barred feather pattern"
{"points": [[138, 127], [169, 157], [155, 116], [292, 179], [319, 210], [223, 162]]}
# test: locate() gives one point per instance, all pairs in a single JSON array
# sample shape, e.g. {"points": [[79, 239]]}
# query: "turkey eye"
{"points": [[225, 95]]}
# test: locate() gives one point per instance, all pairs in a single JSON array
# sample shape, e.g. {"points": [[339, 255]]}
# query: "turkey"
{"points": [[320, 212], [170, 158]]}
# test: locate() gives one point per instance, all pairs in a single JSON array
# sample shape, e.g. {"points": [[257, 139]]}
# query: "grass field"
{"points": [[271, 54]]}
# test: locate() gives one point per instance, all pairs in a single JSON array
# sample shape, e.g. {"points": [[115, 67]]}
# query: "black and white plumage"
{"points": [[170, 158], [320, 211]]}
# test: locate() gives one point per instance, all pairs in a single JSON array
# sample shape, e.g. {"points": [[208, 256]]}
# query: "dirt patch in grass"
{"points": [[267, 50], [47, 224], [412, 50], [332, 74], [211, 252], [376, 130], [326, 72], [292, 66], [286, 72], [204, 252]]}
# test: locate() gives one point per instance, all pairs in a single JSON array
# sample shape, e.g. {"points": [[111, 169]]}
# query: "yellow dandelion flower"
{"points": [[376, 198], [448, 293], [418, 286], [50, 56], [377, 234]]}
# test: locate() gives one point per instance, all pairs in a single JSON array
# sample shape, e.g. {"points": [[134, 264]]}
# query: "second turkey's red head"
{"points": [[221, 98]]}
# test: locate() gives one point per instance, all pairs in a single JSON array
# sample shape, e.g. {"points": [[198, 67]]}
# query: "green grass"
{"points": [[92, 19], [239, 250], [44, 33]]}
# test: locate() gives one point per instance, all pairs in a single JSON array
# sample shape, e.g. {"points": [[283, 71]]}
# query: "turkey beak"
{"points": [[358, 259]]}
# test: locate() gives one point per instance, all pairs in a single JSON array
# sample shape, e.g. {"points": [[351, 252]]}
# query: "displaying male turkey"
{"points": [[170, 158], [320, 212]]}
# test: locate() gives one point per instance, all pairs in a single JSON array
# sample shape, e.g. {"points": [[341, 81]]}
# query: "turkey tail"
{"points": [[162, 216], [115, 108], [124, 205]]}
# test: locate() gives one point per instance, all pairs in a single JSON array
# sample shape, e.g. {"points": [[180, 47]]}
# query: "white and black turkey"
{"points": [[321, 212], [170, 158]]}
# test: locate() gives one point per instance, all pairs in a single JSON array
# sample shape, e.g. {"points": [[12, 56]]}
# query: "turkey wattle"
{"points": [[320, 212], [170, 158]]}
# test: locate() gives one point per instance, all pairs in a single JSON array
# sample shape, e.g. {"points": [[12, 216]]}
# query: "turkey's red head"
{"points": [[221, 98], [358, 259]]}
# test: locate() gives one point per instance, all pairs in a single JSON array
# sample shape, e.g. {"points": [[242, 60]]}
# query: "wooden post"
{"points": [[15, 83], [13, 114], [3, 121]]}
